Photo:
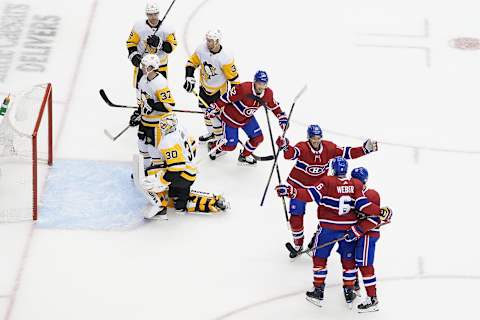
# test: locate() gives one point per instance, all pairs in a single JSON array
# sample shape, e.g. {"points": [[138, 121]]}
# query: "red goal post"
{"points": [[26, 152]]}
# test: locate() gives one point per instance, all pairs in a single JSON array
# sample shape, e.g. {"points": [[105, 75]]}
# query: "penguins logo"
{"points": [[210, 70]]}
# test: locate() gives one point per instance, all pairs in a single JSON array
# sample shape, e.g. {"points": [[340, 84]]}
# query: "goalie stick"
{"points": [[114, 105]]}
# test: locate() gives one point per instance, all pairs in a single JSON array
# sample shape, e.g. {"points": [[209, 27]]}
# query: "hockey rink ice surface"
{"points": [[388, 70]]}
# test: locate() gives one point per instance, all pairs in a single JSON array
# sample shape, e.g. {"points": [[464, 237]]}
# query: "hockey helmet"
{"points": [[361, 174], [151, 8], [314, 130], [168, 123], [260, 76], [339, 166], [150, 60], [214, 34]]}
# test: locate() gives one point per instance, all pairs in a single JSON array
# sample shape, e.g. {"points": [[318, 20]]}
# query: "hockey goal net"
{"points": [[25, 151]]}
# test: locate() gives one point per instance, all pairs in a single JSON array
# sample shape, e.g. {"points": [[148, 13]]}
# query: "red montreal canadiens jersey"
{"points": [[240, 103], [369, 225], [311, 164], [337, 198]]}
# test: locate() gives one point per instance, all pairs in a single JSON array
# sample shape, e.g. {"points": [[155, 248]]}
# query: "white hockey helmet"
{"points": [[150, 60], [168, 123], [151, 8], [214, 34]]}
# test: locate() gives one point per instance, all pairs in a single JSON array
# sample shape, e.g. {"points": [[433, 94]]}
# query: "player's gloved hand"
{"points": [[283, 121], [350, 236], [360, 215], [285, 190], [282, 143], [135, 118], [148, 106], [136, 60], [152, 183], [212, 111], [385, 214], [189, 84], [153, 41], [370, 146], [353, 234]]}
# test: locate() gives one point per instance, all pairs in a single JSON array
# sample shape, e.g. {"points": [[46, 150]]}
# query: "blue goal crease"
{"points": [[89, 194]]}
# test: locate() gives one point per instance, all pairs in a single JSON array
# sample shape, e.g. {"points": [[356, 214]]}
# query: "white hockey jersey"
{"points": [[158, 90], [138, 38], [215, 68], [177, 151]]}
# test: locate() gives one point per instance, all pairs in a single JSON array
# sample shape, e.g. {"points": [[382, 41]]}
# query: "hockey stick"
{"points": [[294, 253], [278, 169], [165, 15], [259, 158], [283, 136], [113, 138], [114, 105], [211, 151]]}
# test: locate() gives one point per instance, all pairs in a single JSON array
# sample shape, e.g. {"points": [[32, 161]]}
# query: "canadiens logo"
{"points": [[316, 170], [249, 111]]}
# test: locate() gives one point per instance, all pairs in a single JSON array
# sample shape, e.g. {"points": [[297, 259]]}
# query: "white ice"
{"points": [[379, 69]]}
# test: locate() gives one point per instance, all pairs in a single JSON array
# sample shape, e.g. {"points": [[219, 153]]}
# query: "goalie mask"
{"points": [[168, 123]]}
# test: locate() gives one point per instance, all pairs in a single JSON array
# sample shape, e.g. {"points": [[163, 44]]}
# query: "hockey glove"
{"points": [[212, 111], [136, 59], [283, 121], [353, 234], [135, 118], [189, 84], [350, 236], [370, 146], [282, 143], [153, 41], [385, 214], [285, 190]]}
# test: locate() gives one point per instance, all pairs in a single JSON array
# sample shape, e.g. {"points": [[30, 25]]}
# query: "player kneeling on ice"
{"points": [[365, 235], [312, 158], [172, 174], [236, 109], [335, 195]]}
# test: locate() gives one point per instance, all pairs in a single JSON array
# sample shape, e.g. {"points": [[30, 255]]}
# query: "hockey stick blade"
{"points": [[293, 253], [111, 104], [263, 158], [299, 94], [108, 134], [259, 158]]}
